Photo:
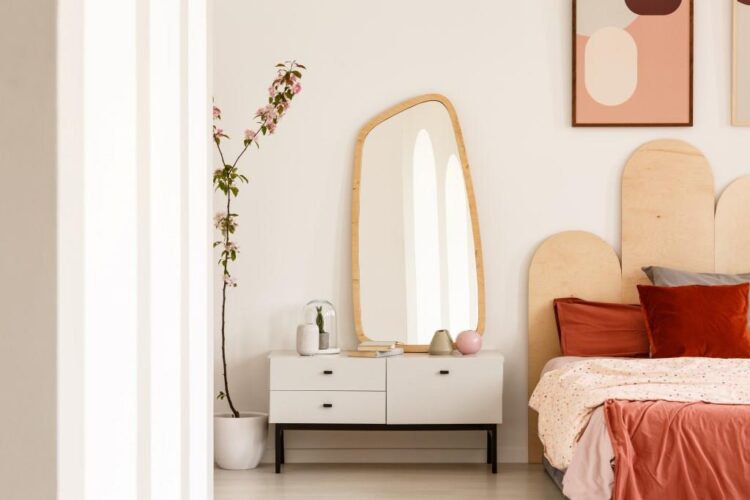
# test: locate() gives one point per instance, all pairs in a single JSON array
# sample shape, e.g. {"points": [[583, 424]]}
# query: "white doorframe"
{"points": [[135, 340]]}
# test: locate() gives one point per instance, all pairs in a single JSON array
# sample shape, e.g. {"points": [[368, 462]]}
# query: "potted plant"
{"points": [[323, 335], [240, 437]]}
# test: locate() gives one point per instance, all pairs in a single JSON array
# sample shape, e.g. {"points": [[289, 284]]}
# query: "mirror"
{"points": [[416, 252]]}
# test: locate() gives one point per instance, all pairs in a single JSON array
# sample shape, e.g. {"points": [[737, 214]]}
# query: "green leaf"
{"points": [[217, 243], [235, 190], [297, 74]]}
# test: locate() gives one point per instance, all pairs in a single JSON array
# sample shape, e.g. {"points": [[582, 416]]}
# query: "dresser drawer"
{"points": [[445, 390], [327, 407], [292, 372]]}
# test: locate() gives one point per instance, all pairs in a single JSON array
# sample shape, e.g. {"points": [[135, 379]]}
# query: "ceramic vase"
{"points": [[307, 339], [239, 442], [442, 343], [469, 342]]}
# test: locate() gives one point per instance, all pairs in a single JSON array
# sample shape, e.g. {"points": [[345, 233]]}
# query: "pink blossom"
{"points": [[219, 218], [297, 88], [272, 90], [271, 127], [217, 113], [229, 281], [249, 134]]}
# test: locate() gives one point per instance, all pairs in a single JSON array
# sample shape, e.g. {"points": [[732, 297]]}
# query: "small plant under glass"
{"points": [[322, 314]]}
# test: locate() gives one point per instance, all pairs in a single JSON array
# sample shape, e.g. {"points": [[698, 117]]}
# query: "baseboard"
{"points": [[396, 455]]}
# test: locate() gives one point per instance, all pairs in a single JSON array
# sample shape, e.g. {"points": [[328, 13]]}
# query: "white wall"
{"points": [[27, 249], [506, 66]]}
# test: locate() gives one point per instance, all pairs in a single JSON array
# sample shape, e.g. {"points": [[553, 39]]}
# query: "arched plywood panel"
{"points": [[574, 263], [667, 212], [733, 228]]}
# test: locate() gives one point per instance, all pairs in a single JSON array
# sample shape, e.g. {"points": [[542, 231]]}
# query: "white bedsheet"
{"points": [[590, 475]]}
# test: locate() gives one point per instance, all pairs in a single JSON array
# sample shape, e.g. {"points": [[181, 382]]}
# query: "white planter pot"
{"points": [[239, 442], [307, 339]]}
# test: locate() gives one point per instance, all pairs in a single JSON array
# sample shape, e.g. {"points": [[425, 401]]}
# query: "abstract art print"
{"points": [[741, 64], [633, 62]]}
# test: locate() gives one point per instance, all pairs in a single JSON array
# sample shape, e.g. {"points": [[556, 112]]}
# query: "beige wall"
{"points": [[27, 249]]}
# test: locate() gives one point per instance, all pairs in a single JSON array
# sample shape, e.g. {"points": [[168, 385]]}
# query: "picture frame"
{"points": [[632, 63], [740, 107]]}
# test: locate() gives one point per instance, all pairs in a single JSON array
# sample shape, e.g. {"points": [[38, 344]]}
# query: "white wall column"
{"points": [[135, 341]]}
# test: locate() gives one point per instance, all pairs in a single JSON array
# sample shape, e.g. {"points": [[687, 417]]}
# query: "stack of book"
{"points": [[377, 349]]}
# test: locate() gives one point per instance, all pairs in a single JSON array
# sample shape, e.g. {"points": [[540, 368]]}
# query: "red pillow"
{"points": [[697, 320], [599, 329]]}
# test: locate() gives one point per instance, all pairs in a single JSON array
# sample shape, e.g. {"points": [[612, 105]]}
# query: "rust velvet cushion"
{"points": [[600, 329], [697, 320]]}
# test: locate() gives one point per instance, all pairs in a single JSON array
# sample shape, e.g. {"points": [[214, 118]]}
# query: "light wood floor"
{"points": [[386, 481]]}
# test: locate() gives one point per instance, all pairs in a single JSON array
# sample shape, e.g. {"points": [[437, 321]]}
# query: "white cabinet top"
{"points": [[488, 353]]}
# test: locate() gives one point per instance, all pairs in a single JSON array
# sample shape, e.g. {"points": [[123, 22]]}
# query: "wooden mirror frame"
{"points": [[382, 117]]}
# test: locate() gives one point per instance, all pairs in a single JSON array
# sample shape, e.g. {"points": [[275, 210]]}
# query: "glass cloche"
{"points": [[322, 314]]}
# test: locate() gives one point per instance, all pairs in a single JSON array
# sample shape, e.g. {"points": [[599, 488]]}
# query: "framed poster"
{"points": [[633, 63], [741, 63]]}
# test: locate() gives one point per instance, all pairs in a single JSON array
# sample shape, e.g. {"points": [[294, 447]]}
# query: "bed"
{"points": [[669, 218]]}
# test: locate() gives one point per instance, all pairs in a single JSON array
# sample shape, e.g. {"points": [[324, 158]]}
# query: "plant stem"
{"points": [[235, 413]]}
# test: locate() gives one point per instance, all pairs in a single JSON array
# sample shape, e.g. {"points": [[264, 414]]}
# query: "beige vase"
{"points": [[442, 343]]}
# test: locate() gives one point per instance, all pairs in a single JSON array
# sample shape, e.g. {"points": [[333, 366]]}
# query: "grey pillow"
{"points": [[664, 276]]}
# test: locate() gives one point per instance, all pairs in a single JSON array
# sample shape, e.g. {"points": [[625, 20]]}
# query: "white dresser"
{"points": [[400, 393]]}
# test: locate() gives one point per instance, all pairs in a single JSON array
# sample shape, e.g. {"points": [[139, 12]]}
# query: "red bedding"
{"points": [[666, 450]]}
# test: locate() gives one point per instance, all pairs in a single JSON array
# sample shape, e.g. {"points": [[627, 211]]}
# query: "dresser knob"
{"points": [[327, 405], [327, 372], [444, 372]]}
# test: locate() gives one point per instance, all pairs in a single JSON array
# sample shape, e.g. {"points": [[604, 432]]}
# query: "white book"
{"points": [[376, 354], [377, 345]]}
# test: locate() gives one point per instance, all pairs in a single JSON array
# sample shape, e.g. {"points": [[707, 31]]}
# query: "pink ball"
{"points": [[469, 342]]}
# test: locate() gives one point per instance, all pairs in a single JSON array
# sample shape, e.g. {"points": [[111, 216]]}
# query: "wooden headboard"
{"points": [[669, 218]]}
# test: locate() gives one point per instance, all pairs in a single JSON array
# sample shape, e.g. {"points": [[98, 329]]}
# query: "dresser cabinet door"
{"points": [[444, 390], [326, 373], [327, 407]]}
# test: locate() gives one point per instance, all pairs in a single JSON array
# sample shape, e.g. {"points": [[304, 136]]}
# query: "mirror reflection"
{"points": [[418, 270]]}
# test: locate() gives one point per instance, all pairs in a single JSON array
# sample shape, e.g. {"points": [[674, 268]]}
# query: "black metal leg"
{"points": [[279, 447], [490, 429], [494, 449], [489, 446]]}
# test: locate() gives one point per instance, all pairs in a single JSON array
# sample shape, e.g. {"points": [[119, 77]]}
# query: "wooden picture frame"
{"points": [[576, 118], [740, 119], [357, 177]]}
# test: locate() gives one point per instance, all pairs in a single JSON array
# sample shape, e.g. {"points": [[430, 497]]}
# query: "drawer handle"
{"points": [[445, 372], [327, 372], [327, 405]]}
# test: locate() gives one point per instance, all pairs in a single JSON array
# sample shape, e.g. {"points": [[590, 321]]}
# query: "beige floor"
{"points": [[391, 481]]}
